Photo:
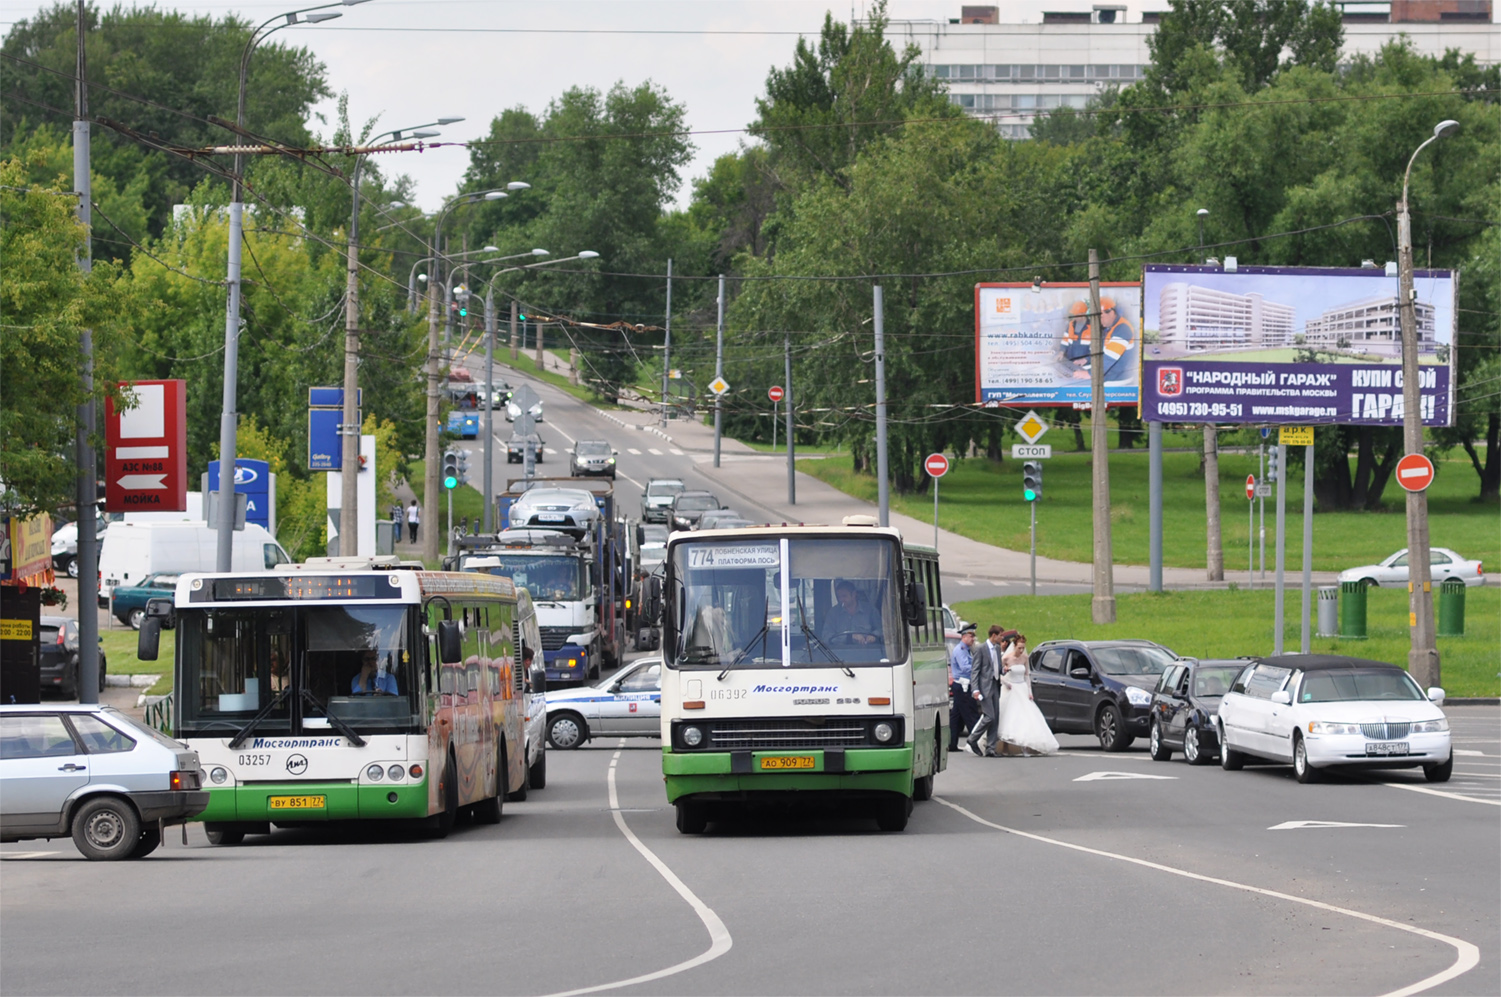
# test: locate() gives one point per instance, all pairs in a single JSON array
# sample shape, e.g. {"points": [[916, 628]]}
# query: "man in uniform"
{"points": [[964, 712]]}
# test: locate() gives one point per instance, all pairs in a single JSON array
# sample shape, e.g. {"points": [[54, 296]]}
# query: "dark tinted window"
{"points": [[664, 487], [1342, 686], [594, 447], [1050, 660], [1132, 660], [694, 503], [1266, 680], [1239, 684], [1169, 681]]}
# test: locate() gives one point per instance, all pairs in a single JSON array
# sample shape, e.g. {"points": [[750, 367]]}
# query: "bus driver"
{"points": [[852, 619], [370, 681]]}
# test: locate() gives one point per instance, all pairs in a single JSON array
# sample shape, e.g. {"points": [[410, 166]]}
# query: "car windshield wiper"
{"points": [[760, 635], [255, 721], [333, 721], [813, 638]]}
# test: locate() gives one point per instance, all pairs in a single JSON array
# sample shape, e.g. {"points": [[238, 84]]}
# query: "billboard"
{"points": [[1032, 343], [1291, 345]]}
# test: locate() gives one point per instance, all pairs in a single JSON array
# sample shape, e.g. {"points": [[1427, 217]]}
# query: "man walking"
{"points": [[985, 689], [397, 519], [964, 712], [414, 516]]}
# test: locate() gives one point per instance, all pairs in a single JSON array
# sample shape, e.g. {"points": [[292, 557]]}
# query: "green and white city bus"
{"points": [[346, 689], [801, 660]]}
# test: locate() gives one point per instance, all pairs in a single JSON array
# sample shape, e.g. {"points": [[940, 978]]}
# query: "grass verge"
{"points": [[1226, 624]]}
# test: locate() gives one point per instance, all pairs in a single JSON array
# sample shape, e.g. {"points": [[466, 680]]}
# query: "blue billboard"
{"points": [[253, 480]]}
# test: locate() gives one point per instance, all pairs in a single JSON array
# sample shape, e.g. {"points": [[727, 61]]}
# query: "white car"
{"points": [[1320, 711], [626, 704], [65, 549], [1444, 563]]}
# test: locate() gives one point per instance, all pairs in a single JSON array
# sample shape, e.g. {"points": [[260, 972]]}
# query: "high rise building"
{"points": [[1193, 319], [1372, 326]]}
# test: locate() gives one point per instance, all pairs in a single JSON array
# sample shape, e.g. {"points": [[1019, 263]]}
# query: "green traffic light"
{"points": [[521, 318], [1029, 495], [463, 313], [450, 482]]}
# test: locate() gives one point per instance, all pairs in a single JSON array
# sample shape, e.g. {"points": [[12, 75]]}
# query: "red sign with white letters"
{"points": [[146, 448]]}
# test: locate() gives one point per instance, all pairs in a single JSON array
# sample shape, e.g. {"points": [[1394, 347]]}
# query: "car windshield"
{"points": [[653, 533], [695, 503], [1214, 681], [589, 448], [841, 603], [1132, 660], [547, 578], [1370, 685], [664, 487]]}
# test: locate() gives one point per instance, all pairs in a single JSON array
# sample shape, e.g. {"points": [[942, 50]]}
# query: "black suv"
{"points": [[1099, 687], [688, 507]]}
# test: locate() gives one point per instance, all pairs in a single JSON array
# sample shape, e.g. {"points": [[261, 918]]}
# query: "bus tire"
{"points": [[526, 781], [489, 811], [922, 786], [692, 817], [448, 786], [893, 811], [218, 835], [537, 774]]}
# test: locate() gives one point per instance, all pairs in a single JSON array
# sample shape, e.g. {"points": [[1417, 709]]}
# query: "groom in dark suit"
{"points": [[985, 686]]}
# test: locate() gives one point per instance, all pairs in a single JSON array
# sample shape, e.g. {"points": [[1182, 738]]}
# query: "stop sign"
{"points": [[1414, 472], [774, 392], [1250, 486], [936, 464]]}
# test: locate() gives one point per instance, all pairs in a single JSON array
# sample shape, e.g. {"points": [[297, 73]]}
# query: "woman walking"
{"points": [[1021, 724]]}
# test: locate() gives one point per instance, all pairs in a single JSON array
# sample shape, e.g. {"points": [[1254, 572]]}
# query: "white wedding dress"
{"points": [[1020, 721]]}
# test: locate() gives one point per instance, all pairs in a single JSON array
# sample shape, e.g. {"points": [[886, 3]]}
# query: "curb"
{"points": [[636, 426], [1473, 701], [130, 681]]}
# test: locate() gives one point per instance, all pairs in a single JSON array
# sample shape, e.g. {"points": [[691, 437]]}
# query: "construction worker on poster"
{"points": [[1120, 338]]}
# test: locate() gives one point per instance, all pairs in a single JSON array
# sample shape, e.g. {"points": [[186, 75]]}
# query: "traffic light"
{"points": [[450, 469], [463, 456], [1032, 480], [1271, 465]]}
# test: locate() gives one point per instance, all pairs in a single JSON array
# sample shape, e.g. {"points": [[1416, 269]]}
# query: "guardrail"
{"points": [[159, 713]]}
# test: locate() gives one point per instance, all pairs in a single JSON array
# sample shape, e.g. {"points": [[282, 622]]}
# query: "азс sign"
{"points": [[146, 449]]}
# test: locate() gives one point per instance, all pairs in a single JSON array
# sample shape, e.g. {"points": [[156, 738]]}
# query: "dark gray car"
{"points": [[1099, 687]]}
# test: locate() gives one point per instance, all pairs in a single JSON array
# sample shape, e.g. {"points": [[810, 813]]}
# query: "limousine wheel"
{"points": [[1305, 772], [1440, 772], [1230, 759]]}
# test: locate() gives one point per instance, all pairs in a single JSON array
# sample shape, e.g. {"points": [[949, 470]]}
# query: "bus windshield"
{"points": [[840, 603], [546, 578], [353, 662]]}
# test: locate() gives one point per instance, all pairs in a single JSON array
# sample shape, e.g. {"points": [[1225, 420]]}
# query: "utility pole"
{"points": [[1216, 554], [883, 495], [1102, 606], [718, 369], [514, 311], [667, 347], [1278, 615], [791, 445], [1154, 501], [430, 470], [489, 466], [349, 428], [1305, 644], [88, 474]]}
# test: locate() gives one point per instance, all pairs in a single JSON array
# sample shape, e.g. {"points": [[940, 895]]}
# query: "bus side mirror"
{"points": [[651, 598], [539, 681], [648, 639], [917, 604], [450, 642], [162, 611], [148, 641]]}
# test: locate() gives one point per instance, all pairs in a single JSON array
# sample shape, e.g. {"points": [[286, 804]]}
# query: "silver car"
{"points": [[93, 773], [572, 510]]}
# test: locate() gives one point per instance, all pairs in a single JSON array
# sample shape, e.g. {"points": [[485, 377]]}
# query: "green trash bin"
{"points": [[1352, 610], [1451, 608]]}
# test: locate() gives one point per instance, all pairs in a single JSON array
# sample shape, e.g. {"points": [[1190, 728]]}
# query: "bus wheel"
{"points": [[537, 774], [892, 812], [489, 811], [218, 836], [449, 787], [693, 818], [922, 786]]}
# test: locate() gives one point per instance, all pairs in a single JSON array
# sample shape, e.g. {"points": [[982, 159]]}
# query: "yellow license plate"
{"points": [[788, 762], [296, 802]]}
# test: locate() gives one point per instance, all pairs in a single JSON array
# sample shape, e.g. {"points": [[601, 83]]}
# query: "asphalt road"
{"points": [[1084, 873]]}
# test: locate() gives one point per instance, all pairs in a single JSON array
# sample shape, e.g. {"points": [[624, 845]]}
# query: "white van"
{"points": [[131, 551]]}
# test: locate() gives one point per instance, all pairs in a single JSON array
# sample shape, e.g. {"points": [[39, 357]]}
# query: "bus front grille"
{"points": [[781, 734]]}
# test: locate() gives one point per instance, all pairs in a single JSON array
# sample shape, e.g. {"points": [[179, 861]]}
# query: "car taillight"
{"points": [[184, 780], [60, 637], [1479, 568]]}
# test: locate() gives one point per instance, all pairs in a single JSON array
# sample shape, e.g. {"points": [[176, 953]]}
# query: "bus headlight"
{"points": [[217, 775], [693, 737], [395, 772], [375, 773], [883, 732]]}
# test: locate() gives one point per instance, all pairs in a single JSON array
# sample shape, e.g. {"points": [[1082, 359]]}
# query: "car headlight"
{"points": [[375, 773], [1138, 697], [693, 737], [883, 732], [1329, 727], [1431, 726], [610, 460]]}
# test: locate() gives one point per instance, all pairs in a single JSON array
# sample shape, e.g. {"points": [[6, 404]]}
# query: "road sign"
{"points": [[1266, 432], [1414, 472], [1031, 451], [1295, 436], [146, 449], [1031, 427], [675, 374], [719, 385], [775, 392], [1250, 486], [1263, 490], [936, 464]]}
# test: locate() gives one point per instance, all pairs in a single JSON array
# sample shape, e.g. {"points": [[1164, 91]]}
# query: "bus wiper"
{"points": [[255, 721], [333, 721], [813, 638], [760, 635]]}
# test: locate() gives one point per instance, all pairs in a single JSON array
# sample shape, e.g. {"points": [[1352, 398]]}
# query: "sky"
{"points": [[475, 58]]}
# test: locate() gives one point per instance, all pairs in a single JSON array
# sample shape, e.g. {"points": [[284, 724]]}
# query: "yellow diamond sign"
{"points": [[719, 385], [1031, 427]]}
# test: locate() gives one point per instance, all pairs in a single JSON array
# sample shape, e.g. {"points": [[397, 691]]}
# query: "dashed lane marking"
{"points": [[674, 451], [654, 451], [633, 451]]}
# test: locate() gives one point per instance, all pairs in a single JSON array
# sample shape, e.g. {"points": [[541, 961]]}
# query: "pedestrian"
{"points": [[414, 516], [1022, 727], [964, 712], [985, 689], [397, 519]]}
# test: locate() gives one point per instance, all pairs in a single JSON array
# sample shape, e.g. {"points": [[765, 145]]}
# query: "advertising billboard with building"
{"points": [[1032, 343], [1290, 345]]}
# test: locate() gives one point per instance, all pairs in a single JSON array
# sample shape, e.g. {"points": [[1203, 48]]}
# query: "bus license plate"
{"points": [[1387, 748], [296, 802], [788, 762]]}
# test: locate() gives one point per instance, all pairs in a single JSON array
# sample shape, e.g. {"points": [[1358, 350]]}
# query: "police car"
{"points": [[626, 704]]}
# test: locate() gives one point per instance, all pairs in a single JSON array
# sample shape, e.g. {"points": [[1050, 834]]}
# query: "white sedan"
{"points": [[1444, 563], [626, 704], [1320, 711]]}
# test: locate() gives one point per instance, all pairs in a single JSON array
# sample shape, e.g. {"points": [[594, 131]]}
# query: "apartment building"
{"points": [[1194, 319], [1371, 326]]}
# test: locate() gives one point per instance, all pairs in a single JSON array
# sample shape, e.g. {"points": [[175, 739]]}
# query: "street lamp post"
{"points": [[229, 417], [1422, 658], [349, 428]]}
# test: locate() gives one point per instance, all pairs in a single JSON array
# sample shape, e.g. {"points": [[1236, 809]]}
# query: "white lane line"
{"points": [[1439, 792], [1473, 754], [719, 935], [637, 453], [1467, 956], [654, 451], [633, 481], [675, 451], [9, 856]]}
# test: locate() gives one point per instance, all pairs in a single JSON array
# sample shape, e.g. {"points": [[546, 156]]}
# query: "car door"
{"points": [[1281, 719], [1440, 565], [1255, 715], [641, 692], [41, 766], [1047, 674], [612, 707], [1172, 699], [1076, 692]]}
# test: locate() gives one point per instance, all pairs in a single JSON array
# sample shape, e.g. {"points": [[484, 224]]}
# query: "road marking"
{"points": [[1467, 956], [25, 855], [1295, 825], [1466, 751], [549, 450], [1111, 776], [965, 582], [1439, 792], [637, 453], [675, 451], [719, 936], [654, 451], [633, 481]]}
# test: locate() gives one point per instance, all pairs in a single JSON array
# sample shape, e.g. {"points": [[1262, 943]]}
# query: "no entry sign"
{"points": [[936, 464], [775, 392], [1414, 472], [1250, 486]]}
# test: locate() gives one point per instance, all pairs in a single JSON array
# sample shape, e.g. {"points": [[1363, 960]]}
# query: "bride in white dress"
{"points": [[1020, 722]]}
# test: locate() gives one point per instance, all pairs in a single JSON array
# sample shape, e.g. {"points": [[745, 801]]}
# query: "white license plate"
{"points": [[551, 518], [1386, 748]]}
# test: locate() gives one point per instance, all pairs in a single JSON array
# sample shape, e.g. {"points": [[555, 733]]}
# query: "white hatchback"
{"points": [[1326, 711]]}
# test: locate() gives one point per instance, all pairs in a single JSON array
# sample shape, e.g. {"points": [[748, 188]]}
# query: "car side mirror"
{"points": [[148, 641], [1436, 696], [539, 681], [1079, 673], [1282, 697], [450, 642]]}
